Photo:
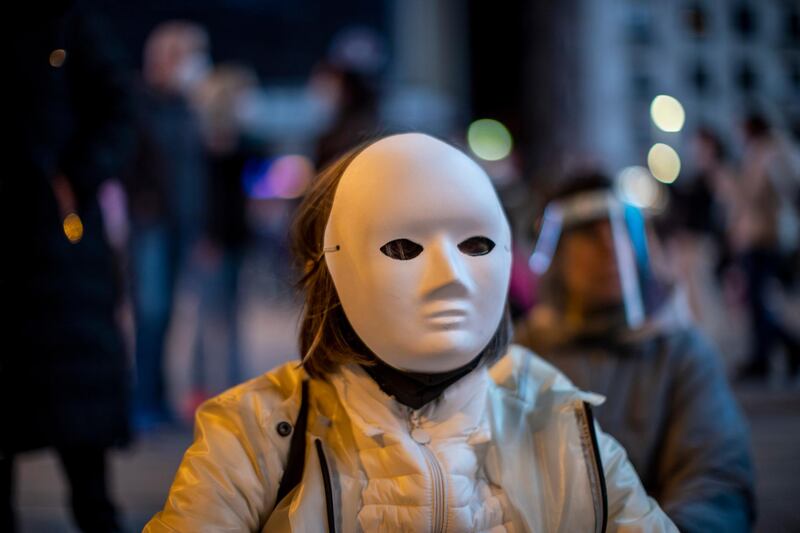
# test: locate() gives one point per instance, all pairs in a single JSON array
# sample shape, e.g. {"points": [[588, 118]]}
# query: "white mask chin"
{"points": [[420, 253]]}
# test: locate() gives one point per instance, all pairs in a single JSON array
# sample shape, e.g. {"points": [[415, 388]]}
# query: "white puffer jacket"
{"points": [[435, 455], [512, 451]]}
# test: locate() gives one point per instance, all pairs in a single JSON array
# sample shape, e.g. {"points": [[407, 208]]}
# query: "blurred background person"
{"points": [[351, 98], [765, 231], [217, 359], [167, 188], [605, 319], [695, 198], [704, 205], [64, 377], [694, 230]]}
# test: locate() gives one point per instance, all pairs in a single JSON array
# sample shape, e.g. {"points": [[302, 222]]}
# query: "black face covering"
{"points": [[415, 389]]}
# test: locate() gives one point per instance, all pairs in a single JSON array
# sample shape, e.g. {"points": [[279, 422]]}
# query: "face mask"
{"points": [[419, 251]]}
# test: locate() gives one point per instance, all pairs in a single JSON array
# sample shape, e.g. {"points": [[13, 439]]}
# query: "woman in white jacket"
{"points": [[394, 421]]}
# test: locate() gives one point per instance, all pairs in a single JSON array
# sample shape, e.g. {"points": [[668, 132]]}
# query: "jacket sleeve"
{"points": [[224, 482], [630, 509], [705, 476]]}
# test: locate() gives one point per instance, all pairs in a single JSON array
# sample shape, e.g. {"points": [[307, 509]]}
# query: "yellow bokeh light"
{"points": [[73, 228], [489, 139], [57, 57], [664, 163], [667, 113]]}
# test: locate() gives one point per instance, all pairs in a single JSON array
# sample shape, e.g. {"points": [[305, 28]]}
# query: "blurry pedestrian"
{"points": [[346, 82], [710, 194], [352, 98], [696, 197], [694, 225], [765, 232], [217, 364], [64, 379], [168, 186], [612, 328]]}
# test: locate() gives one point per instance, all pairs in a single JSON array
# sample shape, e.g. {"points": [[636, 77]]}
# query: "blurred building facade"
{"points": [[719, 58], [575, 80]]}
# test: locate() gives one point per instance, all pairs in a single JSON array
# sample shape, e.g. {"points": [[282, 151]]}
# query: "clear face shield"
{"points": [[598, 245]]}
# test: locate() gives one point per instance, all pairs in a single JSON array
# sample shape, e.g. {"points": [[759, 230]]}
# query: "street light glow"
{"points": [[667, 113], [664, 163], [489, 139]]}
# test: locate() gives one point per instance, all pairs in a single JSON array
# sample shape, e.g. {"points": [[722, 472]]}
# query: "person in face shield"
{"points": [[394, 419], [608, 324]]}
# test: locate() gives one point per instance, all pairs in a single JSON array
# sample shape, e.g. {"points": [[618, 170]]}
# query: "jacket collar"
{"points": [[458, 411]]}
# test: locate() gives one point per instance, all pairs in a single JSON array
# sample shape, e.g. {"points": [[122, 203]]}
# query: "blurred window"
{"points": [[743, 19], [700, 78], [792, 21], [745, 77], [640, 28], [642, 86], [793, 74], [696, 19]]}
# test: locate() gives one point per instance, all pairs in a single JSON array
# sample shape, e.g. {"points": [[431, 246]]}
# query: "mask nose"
{"points": [[445, 274]]}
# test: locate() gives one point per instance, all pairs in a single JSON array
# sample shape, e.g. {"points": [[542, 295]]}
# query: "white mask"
{"points": [[414, 196]]}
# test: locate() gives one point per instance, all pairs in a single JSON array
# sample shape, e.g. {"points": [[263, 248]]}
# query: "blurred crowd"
{"points": [[135, 197]]}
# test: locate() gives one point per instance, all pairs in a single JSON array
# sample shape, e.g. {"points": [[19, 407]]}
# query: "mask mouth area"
{"points": [[447, 318], [449, 307], [448, 313]]}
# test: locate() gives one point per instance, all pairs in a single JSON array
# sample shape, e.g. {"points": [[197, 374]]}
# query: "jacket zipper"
{"points": [[594, 465], [438, 483], [326, 478]]}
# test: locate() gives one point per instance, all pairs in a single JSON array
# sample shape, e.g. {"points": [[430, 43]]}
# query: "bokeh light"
{"points": [[291, 175], [73, 228], [489, 139], [57, 57], [284, 177], [637, 187], [667, 113], [664, 163]]}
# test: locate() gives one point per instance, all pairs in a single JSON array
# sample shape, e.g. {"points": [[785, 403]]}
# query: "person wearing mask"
{"points": [[395, 419], [607, 322]]}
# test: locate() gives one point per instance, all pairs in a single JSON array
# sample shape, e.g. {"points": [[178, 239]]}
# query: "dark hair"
{"points": [[326, 337], [585, 181]]}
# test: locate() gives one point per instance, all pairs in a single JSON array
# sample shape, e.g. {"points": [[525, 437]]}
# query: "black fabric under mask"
{"points": [[415, 389]]}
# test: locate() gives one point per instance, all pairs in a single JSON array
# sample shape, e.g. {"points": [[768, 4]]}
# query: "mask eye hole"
{"points": [[401, 249], [476, 246]]}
